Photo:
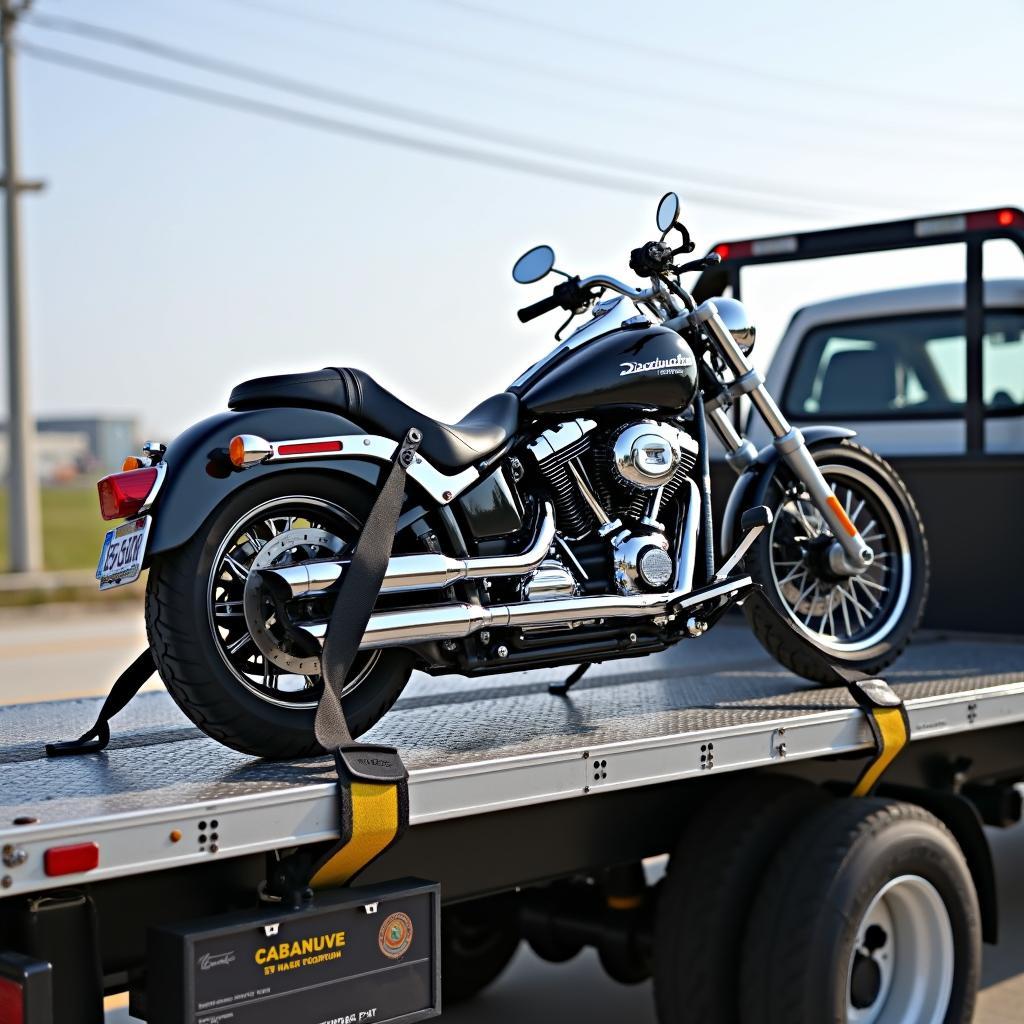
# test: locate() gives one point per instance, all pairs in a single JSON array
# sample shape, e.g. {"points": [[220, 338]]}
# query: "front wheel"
{"points": [[220, 650], [862, 621]]}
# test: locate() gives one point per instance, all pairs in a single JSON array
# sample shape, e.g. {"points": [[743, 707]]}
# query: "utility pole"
{"points": [[25, 539]]}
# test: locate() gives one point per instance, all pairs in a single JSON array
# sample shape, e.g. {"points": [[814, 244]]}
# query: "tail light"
{"points": [[26, 990], [123, 494]]}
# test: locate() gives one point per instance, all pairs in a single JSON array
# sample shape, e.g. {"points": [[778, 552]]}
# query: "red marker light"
{"points": [[70, 860], [722, 250], [1005, 218], [123, 494], [309, 448], [12, 1002]]}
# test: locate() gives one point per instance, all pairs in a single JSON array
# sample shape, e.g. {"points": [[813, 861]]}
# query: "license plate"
{"points": [[124, 548]]}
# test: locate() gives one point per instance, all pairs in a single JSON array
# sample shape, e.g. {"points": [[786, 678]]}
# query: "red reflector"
{"points": [[309, 447], [69, 860], [12, 1002], [123, 494]]}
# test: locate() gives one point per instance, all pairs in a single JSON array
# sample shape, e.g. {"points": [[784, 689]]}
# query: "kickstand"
{"points": [[562, 689]]}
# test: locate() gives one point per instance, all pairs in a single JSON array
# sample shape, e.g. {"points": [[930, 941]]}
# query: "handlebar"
{"points": [[571, 294]]}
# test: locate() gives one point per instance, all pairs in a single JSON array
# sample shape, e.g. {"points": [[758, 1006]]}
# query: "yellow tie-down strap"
{"points": [[374, 816], [890, 727]]}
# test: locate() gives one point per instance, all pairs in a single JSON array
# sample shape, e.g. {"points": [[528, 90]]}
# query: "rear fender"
{"points": [[751, 488], [199, 477]]}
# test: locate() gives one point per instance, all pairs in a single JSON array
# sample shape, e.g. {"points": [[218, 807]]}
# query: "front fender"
{"points": [[198, 478], [750, 489]]}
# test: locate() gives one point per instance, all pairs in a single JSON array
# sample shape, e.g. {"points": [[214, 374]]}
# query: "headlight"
{"points": [[734, 313]]}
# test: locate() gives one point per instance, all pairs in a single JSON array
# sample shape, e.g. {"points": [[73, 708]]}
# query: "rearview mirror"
{"points": [[668, 211], [534, 265]]}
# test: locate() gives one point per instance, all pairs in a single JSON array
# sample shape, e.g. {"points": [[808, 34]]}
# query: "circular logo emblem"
{"points": [[395, 936]]}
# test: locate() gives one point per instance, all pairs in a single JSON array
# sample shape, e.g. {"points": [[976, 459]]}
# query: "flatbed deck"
{"points": [[472, 746]]}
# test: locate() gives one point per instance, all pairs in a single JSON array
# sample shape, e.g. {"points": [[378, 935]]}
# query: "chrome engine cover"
{"points": [[550, 580], [641, 560], [646, 454]]}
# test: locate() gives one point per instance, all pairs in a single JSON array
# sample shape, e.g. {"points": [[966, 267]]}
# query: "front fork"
{"points": [[850, 553]]}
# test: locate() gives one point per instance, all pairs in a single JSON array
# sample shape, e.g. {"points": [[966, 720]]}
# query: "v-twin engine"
{"points": [[613, 484]]}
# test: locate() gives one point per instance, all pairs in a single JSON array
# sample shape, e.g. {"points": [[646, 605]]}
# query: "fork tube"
{"points": [[789, 442]]}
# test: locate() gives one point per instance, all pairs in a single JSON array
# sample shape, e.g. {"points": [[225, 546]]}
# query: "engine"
{"points": [[609, 487]]}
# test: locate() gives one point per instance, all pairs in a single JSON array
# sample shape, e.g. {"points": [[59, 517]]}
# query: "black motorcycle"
{"points": [[564, 521]]}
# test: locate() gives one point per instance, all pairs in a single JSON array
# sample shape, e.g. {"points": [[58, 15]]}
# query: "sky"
{"points": [[181, 247]]}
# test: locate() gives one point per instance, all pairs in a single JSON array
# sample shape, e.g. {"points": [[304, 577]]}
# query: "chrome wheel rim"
{"points": [[903, 961], [849, 614], [283, 531]]}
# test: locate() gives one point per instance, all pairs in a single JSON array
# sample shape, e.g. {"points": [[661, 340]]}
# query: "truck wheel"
{"points": [[705, 899], [868, 915], [234, 672], [478, 939], [861, 622]]}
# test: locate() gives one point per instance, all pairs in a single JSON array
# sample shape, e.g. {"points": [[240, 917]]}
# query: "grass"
{"points": [[72, 528]]}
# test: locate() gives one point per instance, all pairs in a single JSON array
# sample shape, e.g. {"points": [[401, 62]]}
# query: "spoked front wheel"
{"points": [[863, 620]]}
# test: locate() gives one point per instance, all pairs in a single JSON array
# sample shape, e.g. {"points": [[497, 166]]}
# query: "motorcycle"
{"points": [[564, 521]]}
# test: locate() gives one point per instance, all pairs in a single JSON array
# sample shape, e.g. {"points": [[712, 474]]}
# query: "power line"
{"points": [[417, 118], [750, 108], [676, 55], [336, 126]]}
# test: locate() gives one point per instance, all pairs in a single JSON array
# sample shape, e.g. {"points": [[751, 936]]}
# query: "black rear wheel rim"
{"points": [[291, 530]]}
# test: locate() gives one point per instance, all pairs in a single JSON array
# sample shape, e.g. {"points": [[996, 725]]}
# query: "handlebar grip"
{"points": [[528, 313]]}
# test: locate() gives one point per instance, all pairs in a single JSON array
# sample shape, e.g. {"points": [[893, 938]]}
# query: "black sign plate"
{"points": [[355, 956]]}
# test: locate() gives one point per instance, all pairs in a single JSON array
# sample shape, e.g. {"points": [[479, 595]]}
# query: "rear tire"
{"points": [[836, 627], [478, 939], [194, 669], [868, 915], [704, 903]]}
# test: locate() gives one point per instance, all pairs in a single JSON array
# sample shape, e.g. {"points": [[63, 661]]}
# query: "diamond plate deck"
{"points": [[471, 745]]}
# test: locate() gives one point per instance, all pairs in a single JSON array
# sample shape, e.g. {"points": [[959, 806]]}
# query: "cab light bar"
{"points": [[957, 223]]}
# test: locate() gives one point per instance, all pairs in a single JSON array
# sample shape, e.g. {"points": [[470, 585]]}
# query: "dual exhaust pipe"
{"points": [[424, 571], [457, 620]]}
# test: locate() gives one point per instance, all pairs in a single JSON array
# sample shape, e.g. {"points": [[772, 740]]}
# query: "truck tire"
{"points": [[478, 939], [860, 622], [704, 902], [867, 913], [193, 649]]}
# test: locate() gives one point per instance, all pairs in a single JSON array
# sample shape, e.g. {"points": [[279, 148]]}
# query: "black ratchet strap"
{"points": [[882, 706], [373, 791], [129, 682]]}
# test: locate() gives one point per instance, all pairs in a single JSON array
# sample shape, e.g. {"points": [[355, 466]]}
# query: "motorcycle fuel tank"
{"points": [[642, 367]]}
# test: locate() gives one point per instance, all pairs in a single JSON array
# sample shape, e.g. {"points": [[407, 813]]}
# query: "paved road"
{"points": [[67, 651]]}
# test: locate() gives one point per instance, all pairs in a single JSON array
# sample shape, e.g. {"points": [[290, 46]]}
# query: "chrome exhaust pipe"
{"points": [[455, 621], [424, 571]]}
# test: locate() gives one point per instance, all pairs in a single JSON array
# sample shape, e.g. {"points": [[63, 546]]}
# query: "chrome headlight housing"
{"points": [[735, 316]]}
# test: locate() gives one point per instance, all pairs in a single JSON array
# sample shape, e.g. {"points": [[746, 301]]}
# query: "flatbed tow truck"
{"points": [[827, 860], [511, 790]]}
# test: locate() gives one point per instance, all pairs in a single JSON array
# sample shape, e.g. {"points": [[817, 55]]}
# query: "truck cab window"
{"points": [[905, 366]]}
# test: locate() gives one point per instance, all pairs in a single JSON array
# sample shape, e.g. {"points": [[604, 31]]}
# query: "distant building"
{"points": [[69, 447]]}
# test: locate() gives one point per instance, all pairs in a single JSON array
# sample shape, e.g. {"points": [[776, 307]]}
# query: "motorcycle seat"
{"points": [[355, 394]]}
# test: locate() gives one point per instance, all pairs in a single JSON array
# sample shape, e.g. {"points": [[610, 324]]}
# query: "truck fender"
{"points": [[750, 489], [960, 816], [199, 478]]}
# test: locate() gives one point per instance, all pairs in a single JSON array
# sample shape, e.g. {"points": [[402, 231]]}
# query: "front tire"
{"points": [[196, 607], [861, 622]]}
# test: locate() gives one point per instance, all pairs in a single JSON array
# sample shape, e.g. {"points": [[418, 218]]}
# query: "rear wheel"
{"points": [[868, 915], [223, 654], [478, 939], [862, 621]]}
